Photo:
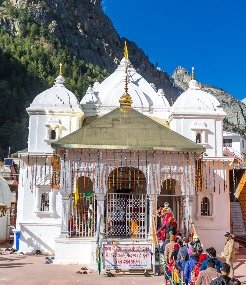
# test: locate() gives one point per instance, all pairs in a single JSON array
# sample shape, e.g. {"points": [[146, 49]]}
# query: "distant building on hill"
{"points": [[234, 145]]}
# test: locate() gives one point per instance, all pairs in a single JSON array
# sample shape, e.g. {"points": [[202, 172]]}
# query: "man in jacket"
{"points": [[169, 248], [206, 276], [229, 252], [211, 255], [224, 278]]}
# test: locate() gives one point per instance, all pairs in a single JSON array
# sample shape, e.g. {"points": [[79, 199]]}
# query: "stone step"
{"points": [[235, 207], [241, 229], [238, 227], [236, 219], [236, 223], [239, 233]]}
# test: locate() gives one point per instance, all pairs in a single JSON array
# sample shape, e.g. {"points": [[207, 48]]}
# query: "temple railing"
{"points": [[127, 215], [82, 221]]}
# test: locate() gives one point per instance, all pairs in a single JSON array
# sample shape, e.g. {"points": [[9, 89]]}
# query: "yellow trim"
{"points": [[241, 185]]}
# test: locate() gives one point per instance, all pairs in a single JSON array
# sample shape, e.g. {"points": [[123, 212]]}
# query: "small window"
{"points": [[227, 142], [198, 138], [243, 143], [205, 207], [53, 135], [44, 205]]}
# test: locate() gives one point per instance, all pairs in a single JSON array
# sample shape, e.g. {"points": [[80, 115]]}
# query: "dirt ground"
{"points": [[31, 270]]}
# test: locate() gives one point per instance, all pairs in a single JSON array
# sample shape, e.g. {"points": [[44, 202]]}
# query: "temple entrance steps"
{"points": [[237, 223]]}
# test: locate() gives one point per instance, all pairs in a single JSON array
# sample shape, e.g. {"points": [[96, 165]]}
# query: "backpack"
{"points": [[194, 273]]}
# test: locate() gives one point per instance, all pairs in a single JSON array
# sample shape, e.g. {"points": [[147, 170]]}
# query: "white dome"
{"points": [[194, 100], [107, 94], [56, 98]]}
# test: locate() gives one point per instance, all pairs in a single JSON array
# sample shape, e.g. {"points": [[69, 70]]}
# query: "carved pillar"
{"points": [[100, 217], [37, 202], [65, 216], [100, 214], [150, 217]]}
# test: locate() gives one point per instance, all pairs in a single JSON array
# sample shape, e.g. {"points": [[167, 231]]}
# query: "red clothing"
{"points": [[202, 257]]}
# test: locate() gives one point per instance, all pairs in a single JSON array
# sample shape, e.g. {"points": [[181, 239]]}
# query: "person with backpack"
{"points": [[229, 251], [189, 266], [195, 272], [182, 257], [224, 278], [183, 250], [211, 255], [206, 276]]}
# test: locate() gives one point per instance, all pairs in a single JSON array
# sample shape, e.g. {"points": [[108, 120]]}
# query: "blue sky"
{"points": [[207, 34]]}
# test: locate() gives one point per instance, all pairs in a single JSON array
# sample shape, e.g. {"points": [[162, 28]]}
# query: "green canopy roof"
{"points": [[127, 130]]}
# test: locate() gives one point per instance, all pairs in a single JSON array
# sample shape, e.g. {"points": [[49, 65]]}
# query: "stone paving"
{"points": [[31, 270]]}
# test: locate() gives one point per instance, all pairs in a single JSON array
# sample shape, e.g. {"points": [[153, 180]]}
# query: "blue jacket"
{"points": [[180, 264], [183, 253], [190, 264], [218, 264]]}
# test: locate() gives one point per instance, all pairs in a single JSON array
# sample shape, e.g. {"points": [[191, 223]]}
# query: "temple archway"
{"points": [[82, 218], [85, 184], [171, 193], [126, 212], [126, 180]]}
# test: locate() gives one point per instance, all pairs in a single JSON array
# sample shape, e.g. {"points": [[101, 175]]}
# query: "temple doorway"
{"points": [[171, 194], [126, 204], [82, 220]]}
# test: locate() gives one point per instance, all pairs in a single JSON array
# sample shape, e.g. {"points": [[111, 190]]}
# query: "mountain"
{"points": [[36, 35], [235, 109]]}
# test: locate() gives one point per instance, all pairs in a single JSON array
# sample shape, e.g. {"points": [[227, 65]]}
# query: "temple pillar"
{"points": [[151, 213], [65, 216], [100, 215]]}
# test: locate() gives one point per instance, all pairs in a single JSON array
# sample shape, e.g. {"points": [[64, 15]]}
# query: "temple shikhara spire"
{"points": [[125, 99]]}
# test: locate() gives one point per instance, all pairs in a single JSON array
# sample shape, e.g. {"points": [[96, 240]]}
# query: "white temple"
{"points": [[87, 163]]}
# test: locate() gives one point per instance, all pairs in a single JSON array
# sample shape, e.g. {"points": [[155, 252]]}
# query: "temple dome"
{"points": [[106, 95], [194, 100], [56, 98]]}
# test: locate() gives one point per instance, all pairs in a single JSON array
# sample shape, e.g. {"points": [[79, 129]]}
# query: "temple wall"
{"points": [[36, 236], [211, 228], [211, 131], [39, 125], [38, 228]]}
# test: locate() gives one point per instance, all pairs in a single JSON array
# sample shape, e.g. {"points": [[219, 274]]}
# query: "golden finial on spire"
{"points": [[125, 99], [193, 73], [60, 73], [126, 51]]}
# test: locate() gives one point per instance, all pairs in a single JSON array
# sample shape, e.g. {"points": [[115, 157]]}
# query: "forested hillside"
{"points": [[29, 63]]}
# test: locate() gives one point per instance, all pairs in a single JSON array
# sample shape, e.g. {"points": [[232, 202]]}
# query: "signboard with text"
{"points": [[127, 256]]}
